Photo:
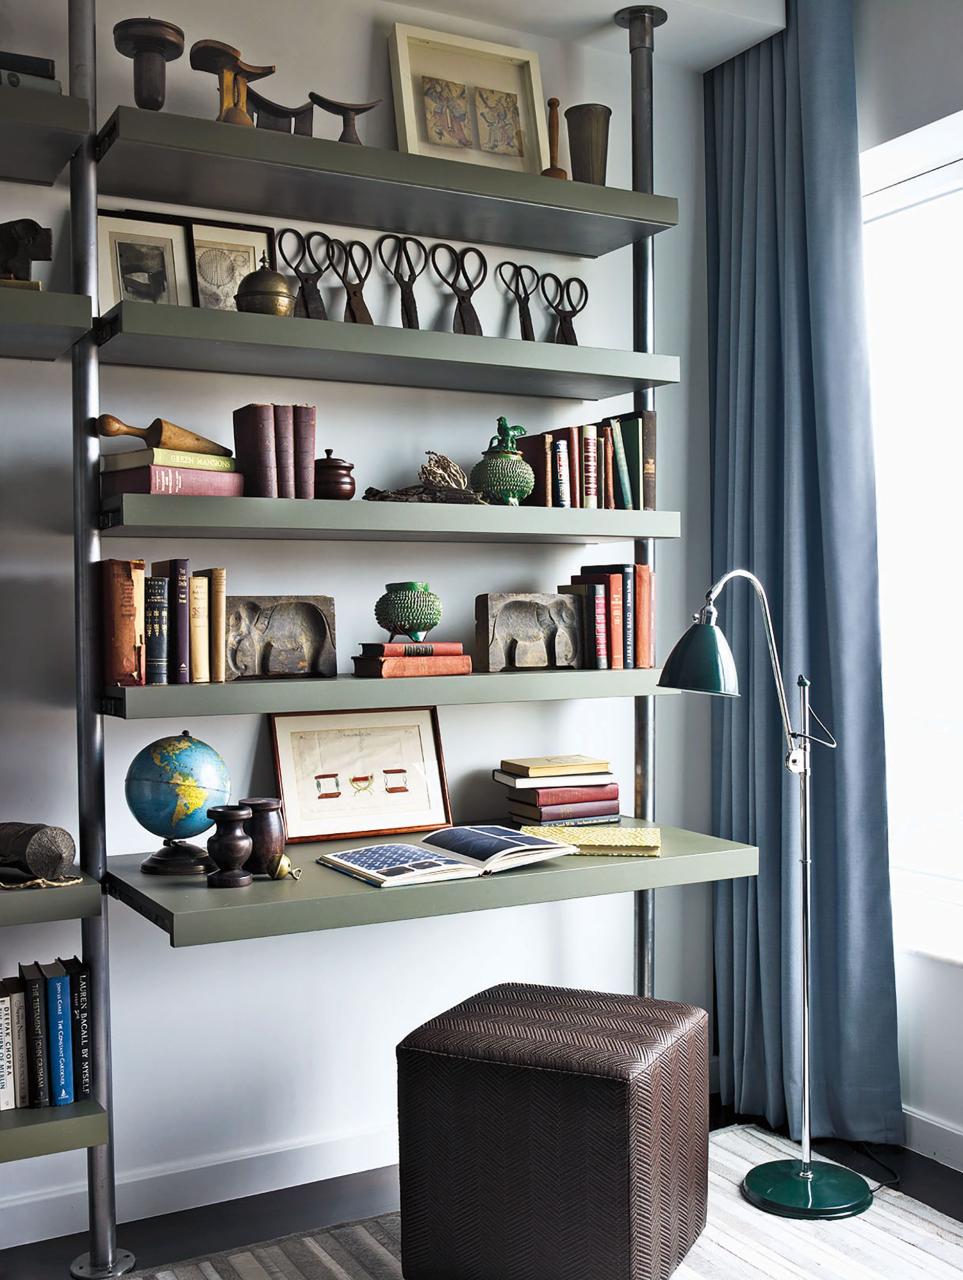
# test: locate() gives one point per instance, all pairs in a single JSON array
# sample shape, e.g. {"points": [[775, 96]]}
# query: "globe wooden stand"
{"points": [[177, 858]]}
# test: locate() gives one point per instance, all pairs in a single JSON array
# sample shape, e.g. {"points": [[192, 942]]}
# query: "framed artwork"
{"points": [[360, 773], [144, 257], [222, 253], [468, 100]]}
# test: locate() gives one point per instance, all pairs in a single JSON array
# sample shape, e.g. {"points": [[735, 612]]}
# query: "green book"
{"points": [[626, 501], [132, 458]]}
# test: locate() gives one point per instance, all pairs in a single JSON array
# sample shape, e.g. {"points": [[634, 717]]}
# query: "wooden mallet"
{"points": [[161, 434]]}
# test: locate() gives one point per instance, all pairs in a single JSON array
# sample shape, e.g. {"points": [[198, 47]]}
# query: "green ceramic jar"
{"points": [[408, 609], [503, 475]]}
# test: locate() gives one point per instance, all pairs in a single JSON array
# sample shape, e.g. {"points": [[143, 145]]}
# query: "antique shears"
{"points": [[521, 281], [465, 274], [565, 301], [404, 258], [309, 301], [351, 262]]}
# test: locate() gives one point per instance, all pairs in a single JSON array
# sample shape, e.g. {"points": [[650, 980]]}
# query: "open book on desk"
{"points": [[453, 853]]}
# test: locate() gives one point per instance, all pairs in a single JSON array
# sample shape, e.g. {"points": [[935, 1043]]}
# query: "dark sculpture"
{"points": [[280, 636], [233, 77], [152, 43], [348, 111], [526, 630], [22, 242], [271, 115]]}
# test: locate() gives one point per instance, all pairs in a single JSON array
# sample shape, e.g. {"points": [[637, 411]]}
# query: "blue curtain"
{"points": [[793, 499]]}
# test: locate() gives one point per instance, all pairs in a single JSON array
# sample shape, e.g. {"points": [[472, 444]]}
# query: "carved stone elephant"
{"points": [[527, 631], [280, 636]]}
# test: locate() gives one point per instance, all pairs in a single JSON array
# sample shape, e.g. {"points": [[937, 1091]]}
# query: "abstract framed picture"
{"points": [[468, 100], [222, 254], [342, 774], [143, 258]]}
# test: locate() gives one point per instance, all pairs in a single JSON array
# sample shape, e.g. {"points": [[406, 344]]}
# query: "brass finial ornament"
{"points": [[265, 292]]}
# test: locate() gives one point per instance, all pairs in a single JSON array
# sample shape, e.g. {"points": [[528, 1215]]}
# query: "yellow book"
{"points": [[614, 842], [546, 766], [217, 614], [200, 631]]}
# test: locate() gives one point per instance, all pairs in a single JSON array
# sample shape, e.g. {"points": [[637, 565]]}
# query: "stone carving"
{"points": [[23, 242], [526, 630], [280, 636]]}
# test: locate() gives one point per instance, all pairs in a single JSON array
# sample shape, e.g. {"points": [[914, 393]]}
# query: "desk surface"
{"points": [[191, 913]]}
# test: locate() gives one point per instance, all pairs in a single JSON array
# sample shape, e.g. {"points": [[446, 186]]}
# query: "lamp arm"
{"points": [[709, 613]]}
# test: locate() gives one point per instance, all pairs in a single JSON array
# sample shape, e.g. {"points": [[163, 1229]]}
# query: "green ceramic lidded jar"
{"points": [[408, 609], [503, 475]]}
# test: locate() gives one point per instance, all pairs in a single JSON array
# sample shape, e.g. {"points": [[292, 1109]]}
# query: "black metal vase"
{"points": [[588, 141]]}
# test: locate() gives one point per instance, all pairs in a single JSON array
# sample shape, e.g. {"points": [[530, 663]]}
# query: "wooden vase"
{"points": [[266, 829], [230, 846], [588, 141]]}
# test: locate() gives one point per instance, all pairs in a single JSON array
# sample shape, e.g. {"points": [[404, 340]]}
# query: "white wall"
{"points": [[907, 65], [259, 1064]]}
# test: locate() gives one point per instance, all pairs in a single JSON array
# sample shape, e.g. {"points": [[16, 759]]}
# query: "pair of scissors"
{"points": [[404, 258], [351, 262], [464, 274], [565, 301], [521, 281], [309, 301]]}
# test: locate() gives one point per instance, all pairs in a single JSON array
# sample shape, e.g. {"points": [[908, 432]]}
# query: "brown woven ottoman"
{"points": [[549, 1134]]}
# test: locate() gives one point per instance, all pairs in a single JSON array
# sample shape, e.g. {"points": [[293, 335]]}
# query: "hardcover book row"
{"points": [[45, 1036], [607, 465]]}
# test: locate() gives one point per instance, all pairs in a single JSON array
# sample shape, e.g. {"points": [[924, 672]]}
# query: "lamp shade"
{"points": [[701, 662]]}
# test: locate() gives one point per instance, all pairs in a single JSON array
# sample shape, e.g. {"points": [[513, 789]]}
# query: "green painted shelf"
{"points": [[39, 325], [347, 693], [39, 132], [191, 913], [181, 160], [146, 516], [40, 1131], [37, 906], [139, 333]]}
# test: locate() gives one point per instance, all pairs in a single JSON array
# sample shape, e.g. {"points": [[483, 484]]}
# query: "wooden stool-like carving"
{"points": [[271, 115], [233, 76]]}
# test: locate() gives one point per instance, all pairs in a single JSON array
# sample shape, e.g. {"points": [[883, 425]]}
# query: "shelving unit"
{"points": [[36, 325], [323, 520], [348, 693], [39, 132], [151, 155], [26, 1132], [138, 333], [37, 906], [325, 899]]}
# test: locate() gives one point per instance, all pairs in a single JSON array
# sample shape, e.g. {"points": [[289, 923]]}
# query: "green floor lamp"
{"points": [[702, 662]]}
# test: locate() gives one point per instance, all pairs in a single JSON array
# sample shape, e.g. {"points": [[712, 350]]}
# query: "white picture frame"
{"points": [[417, 52], [162, 274]]}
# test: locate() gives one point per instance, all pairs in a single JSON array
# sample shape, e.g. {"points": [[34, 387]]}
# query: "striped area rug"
{"points": [[897, 1239]]}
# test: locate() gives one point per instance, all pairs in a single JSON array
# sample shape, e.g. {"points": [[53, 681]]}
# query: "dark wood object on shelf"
{"points": [[229, 847], [23, 242], [266, 829], [526, 630], [588, 141], [553, 170], [333, 478], [280, 636], [161, 434], [152, 43], [177, 858], [271, 115], [233, 77], [348, 111]]}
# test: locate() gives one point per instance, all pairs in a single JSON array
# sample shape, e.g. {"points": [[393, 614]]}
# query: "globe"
{"points": [[173, 782]]}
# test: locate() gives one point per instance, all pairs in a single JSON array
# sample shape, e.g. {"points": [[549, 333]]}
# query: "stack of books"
{"points": [[386, 661], [169, 471], [45, 1036], [274, 444], [166, 628], [607, 465], [616, 607], [550, 790]]}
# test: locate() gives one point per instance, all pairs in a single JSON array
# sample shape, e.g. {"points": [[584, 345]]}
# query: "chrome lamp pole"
{"points": [[702, 662]]}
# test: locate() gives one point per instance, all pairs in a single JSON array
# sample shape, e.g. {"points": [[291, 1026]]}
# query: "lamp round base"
{"points": [[830, 1191]]}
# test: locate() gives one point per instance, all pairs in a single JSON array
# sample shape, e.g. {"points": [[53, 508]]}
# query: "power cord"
{"points": [[892, 1183]]}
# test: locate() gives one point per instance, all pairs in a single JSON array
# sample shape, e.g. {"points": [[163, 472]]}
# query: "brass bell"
{"points": [[279, 867], [265, 292]]}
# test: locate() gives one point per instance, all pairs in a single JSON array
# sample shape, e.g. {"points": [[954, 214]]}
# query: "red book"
{"points": [[413, 649], [172, 481], [284, 448], [559, 812], [644, 630], [305, 430], [547, 796], [537, 452], [612, 582], [392, 668], [590, 466], [575, 464], [254, 446], [122, 601], [608, 444]]}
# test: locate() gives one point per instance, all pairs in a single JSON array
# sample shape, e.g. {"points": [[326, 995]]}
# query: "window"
{"points": [[913, 246]]}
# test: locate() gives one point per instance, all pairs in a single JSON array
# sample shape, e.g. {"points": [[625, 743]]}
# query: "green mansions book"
{"points": [[133, 458]]}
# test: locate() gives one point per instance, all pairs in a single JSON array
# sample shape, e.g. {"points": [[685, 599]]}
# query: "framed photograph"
{"points": [[144, 257], [360, 773], [468, 100], [222, 254]]}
